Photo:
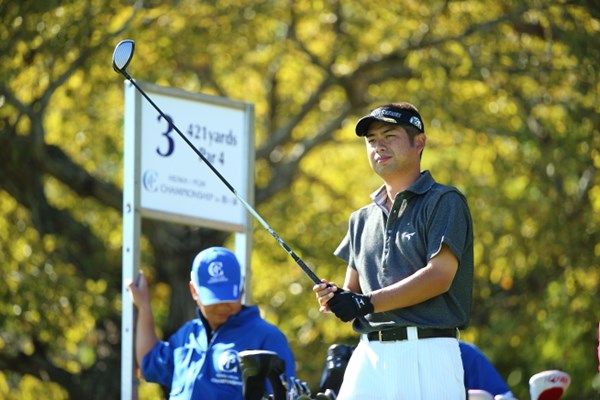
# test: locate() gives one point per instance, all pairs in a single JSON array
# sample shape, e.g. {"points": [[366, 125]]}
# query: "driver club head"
{"points": [[122, 55], [549, 384]]}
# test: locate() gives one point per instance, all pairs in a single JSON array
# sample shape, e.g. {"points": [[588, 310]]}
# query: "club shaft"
{"points": [[248, 207]]}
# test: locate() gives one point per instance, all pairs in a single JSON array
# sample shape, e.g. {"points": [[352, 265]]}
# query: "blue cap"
{"points": [[217, 276]]}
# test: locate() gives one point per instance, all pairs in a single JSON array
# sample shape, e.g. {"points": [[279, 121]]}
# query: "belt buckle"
{"points": [[380, 336]]}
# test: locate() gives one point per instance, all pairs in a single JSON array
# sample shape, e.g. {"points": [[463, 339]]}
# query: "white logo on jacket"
{"points": [[228, 361], [226, 366]]}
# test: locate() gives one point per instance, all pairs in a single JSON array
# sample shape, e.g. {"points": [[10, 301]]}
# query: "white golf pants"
{"points": [[413, 369]]}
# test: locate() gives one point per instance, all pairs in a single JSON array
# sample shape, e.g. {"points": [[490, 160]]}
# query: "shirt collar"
{"points": [[420, 186]]}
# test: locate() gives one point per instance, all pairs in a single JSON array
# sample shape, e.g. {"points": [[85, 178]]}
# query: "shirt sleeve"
{"points": [[449, 223], [157, 365], [343, 249]]}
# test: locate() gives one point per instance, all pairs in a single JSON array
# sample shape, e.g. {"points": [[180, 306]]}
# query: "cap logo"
{"points": [[383, 113], [416, 122], [215, 270]]}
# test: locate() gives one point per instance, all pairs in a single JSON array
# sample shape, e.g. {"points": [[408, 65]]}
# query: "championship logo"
{"points": [[228, 361], [150, 180]]}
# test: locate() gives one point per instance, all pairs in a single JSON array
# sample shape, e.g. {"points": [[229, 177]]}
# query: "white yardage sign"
{"points": [[176, 184]]}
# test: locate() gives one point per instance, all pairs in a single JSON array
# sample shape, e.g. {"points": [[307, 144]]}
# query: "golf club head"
{"points": [[258, 365], [297, 384], [548, 385], [303, 388], [477, 394], [336, 361], [122, 55]]}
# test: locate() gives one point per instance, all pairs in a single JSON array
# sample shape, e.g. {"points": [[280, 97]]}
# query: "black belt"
{"points": [[422, 333]]}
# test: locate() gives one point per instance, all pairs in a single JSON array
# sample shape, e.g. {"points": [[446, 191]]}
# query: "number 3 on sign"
{"points": [[170, 143]]}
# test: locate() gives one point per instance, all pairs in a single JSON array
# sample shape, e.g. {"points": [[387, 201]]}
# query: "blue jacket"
{"points": [[479, 371], [196, 369]]}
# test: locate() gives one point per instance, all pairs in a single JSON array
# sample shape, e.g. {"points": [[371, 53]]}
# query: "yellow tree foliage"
{"points": [[509, 93]]}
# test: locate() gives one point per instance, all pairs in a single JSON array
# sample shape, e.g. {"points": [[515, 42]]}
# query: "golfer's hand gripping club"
{"points": [[348, 305]]}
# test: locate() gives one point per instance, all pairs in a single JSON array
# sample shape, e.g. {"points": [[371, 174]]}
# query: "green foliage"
{"points": [[510, 96]]}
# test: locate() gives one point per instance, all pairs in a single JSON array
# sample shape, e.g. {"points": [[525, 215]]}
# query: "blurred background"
{"points": [[510, 96]]}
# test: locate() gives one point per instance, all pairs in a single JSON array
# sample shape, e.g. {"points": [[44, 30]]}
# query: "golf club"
{"points": [[549, 384], [121, 57]]}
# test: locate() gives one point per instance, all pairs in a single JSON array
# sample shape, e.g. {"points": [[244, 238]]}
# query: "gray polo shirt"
{"points": [[386, 249]]}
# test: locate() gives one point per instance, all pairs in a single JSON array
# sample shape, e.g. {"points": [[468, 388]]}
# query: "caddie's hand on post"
{"points": [[145, 335], [139, 292], [348, 305]]}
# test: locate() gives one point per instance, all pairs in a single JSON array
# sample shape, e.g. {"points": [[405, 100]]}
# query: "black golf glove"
{"points": [[348, 305]]}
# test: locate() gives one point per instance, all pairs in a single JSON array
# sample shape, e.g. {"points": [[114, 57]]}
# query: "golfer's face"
{"points": [[389, 149]]}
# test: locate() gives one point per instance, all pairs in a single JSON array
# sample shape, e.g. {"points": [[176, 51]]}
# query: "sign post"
{"points": [[164, 179]]}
